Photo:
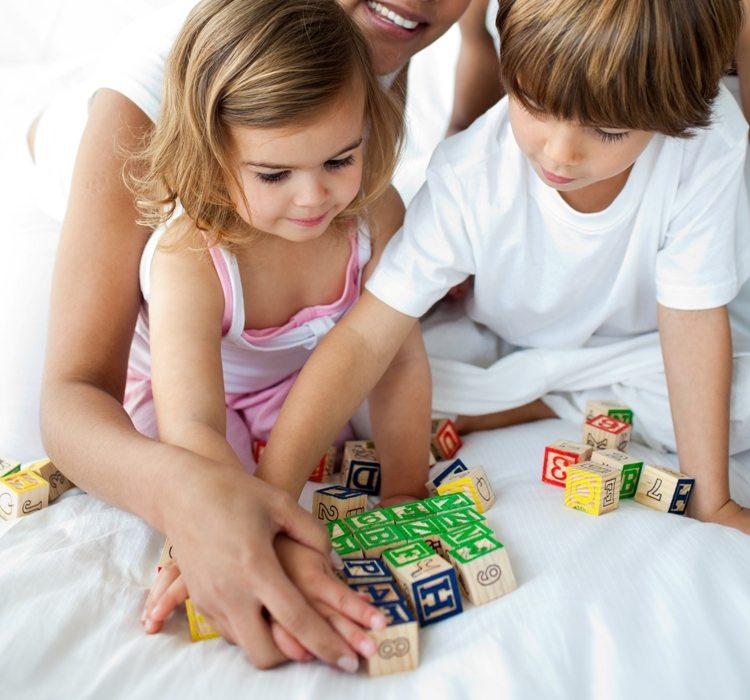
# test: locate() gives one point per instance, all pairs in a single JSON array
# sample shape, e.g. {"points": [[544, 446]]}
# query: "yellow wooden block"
{"points": [[58, 482], [475, 484], [22, 493], [592, 488], [200, 627], [397, 649]]}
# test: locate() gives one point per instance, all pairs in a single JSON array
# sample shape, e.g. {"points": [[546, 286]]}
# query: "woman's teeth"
{"points": [[391, 16]]}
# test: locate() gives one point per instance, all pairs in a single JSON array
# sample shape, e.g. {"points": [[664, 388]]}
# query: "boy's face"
{"points": [[397, 29], [296, 179], [569, 156]]}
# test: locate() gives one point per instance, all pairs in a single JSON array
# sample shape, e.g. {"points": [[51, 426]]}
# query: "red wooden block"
{"points": [[559, 456], [604, 432], [445, 439]]}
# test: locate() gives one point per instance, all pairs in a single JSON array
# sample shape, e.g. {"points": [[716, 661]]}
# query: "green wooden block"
{"points": [[347, 547], [375, 540], [630, 469], [419, 529], [456, 518], [468, 550], [416, 510], [337, 528], [8, 467], [372, 518], [623, 414], [451, 501], [471, 531], [406, 554]]}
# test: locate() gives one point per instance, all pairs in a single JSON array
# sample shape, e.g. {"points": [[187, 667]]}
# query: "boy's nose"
{"points": [[562, 149]]}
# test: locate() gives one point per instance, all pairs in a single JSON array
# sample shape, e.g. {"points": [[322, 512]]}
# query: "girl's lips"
{"points": [[557, 179], [392, 29], [309, 223]]}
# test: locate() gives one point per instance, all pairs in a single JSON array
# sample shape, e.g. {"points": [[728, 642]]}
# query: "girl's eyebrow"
{"points": [[276, 166]]}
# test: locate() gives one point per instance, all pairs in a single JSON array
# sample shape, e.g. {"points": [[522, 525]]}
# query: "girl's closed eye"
{"points": [[611, 136], [336, 163], [273, 177]]}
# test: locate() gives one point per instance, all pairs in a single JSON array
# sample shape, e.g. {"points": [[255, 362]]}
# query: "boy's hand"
{"points": [[730, 514], [395, 500]]}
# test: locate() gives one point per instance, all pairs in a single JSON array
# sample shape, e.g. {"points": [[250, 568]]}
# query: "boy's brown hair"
{"points": [[254, 63], [651, 65]]}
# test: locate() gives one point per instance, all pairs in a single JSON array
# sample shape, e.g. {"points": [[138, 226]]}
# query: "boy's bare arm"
{"points": [[697, 349]]}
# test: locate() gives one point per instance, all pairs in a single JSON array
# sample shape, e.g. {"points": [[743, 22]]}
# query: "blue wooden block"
{"points": [[364, 476], [369, 570], [437, 597], [379, 593], [455, 467]]}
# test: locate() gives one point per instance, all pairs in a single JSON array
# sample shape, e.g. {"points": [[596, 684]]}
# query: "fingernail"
{"points": [[336, 559], [147, 623], [378, 621], [368, 647], [348, 663]]}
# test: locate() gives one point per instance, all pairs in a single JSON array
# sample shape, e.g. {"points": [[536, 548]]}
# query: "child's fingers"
{"points": [[288, 645], [353, 634], [163, 608], [163, 580], [344, 601]]}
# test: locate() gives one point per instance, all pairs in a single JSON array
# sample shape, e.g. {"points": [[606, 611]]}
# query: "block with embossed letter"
{"points": [[630, 468], [346, 546], [592, 488], [9, 466], [475, 484], [613, 409], [482, 565], [337, 528], [414, 510], [200, 627], [370, 570], [167, 555], [379, 592], [372, 518], [451, 501], [440, 473], [375, 540], [22, 493], [664, 489], [397, 645], [559, 456], [360, 466], [461, 516], [58, 482], [335, 502], [461, 533], [445, 439], [426, 530], [605, 433]]}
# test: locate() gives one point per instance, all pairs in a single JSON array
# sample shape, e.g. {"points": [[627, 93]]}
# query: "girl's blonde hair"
{"points": [[254, 63], [652, 65]]}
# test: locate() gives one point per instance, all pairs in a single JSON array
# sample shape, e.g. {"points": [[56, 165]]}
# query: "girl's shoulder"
{"points": [[384, 217]]}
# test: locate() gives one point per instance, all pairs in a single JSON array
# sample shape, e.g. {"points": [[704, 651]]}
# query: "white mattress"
{"points": [[635, 603]]}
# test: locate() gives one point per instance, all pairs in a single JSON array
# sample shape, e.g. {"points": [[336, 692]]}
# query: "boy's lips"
{"points": [[394, 20], [557, 179]]}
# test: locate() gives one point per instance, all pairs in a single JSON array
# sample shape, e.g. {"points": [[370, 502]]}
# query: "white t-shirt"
{"points": [[548, 276]]}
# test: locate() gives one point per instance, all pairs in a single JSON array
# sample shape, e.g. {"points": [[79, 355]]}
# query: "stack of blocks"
{"points": [[24, 491], [598, 472]]}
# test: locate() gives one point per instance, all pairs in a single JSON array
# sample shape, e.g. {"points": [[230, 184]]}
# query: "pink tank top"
{"points": [[256, 360]]}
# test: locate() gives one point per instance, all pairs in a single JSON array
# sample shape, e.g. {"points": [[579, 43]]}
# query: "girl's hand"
{"points": [[240, 584]]}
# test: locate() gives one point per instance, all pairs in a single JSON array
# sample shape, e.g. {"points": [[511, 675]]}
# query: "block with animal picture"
{"points": [[360, 466], [474, 483], [397, 645], [58, 482], [9, 466], [200, 627], [592, 488], [613, 409], [445, 441], [22, 493], [664, 489], [558, 456], [440, 473], [630, 468], [375, 540], [605, 433], [335, 502], [482, 565], [427, 581]]}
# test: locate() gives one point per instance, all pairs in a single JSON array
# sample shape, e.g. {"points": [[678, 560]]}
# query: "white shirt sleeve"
{"points": [[705, 258], [432, 252]]}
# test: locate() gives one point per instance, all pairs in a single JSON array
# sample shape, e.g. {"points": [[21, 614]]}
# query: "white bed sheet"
{"points": [[635, 603]]}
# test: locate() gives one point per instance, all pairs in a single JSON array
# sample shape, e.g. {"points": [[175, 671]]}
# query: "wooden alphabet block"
{"points": [[379, 592], [347, 547], [414, 510], [337, 528], [372, 518], [430, 587], [58, 482], [335, 502], [360, 467], [22, 493], [630, 468], [9, 466], [445, 439], [451, 501], [167, 555], [605, 433], [559, 456], [441, 473], [613, 409], [427, 530], [257, 447], [370, 570], [397, 644], [592, 488], [475, 484], [375, 540], [326, 467], [482, 565], [406, 554], [462, 533], [664, 489], [200, 627], [462, 516]]}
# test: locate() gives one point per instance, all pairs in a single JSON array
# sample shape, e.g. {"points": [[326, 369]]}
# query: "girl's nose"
{"points": [[312, 193]]}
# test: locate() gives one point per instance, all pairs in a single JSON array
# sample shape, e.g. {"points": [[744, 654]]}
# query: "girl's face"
{"points": [[569, 156], [397, 29], [296, 179]]}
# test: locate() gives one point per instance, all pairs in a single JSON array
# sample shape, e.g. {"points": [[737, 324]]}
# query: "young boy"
{"points": [[601, 209]]}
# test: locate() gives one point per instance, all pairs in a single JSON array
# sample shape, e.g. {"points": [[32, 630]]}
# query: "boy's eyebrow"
{"points": [[276, 166]]}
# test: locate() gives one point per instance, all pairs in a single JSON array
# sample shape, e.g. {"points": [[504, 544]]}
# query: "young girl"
{"points": [[277, 144], [601, 208]]}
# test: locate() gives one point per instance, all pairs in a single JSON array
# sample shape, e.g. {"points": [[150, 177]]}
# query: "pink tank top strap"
{"points": [[222, 270]]}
